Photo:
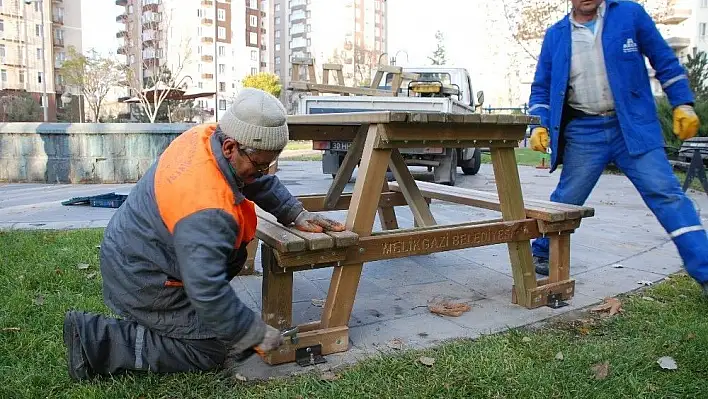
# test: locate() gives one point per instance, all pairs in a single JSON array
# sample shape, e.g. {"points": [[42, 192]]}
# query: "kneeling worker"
{"points": [[171, 249]]}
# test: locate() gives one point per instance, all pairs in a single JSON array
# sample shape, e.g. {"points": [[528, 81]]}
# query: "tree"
{"points": [[153, 68], [266, 81], [438, 57], [20, 107], [696, 70], [93, 75]]}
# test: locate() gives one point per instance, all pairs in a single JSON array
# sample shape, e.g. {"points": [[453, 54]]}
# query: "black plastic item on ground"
{"points": [[110, 200]]}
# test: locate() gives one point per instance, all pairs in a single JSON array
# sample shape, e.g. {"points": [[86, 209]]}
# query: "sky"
{"points": [[412, 29]]}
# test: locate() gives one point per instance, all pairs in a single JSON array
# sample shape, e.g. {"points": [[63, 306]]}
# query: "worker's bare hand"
{"points": [[271, 340], [314, 223]]}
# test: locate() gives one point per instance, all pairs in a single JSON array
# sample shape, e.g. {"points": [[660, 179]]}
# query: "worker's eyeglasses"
{"points": [[258, 166]]}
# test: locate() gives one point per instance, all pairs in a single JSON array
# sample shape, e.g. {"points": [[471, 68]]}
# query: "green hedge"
{"points": [[667, 123]]}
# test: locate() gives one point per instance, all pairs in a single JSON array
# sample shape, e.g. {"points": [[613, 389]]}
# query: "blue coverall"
{"points": [[632, 137]]}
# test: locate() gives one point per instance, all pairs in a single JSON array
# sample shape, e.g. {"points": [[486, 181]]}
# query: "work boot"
{"points": [[79, 368], [541, 265]]}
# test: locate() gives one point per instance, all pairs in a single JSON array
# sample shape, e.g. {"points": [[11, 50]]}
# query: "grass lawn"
{"points": [[41, 279], [299, 145]]}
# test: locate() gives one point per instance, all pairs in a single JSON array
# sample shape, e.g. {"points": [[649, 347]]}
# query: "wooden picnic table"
{"points": [[376, 138]]}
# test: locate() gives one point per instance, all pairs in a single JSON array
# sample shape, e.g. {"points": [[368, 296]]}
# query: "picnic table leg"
{"points": [[511, 200], [387, 215], [344, 174], [360, 219], [559, 262], [277, 292]]}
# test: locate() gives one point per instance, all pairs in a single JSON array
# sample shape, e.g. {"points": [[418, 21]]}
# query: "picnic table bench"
{"points": [[376, 137]]}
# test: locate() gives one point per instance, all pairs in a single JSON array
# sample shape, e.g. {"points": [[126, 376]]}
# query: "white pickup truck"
{"points": [[437, 89]]}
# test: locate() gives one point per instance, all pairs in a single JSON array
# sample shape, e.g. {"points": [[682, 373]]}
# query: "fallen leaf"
{"points": [[601, 370], [428, 361], [447, 308], [583, 330], [240, 377], [82, 266], [526, 339], [611, 305], [91, 275], [318, 302], [329, 376], [39, 300], [57, 271], [11, 329], [690, 336], [396, 343], [559, 356], [667, 363], [645, 283]]}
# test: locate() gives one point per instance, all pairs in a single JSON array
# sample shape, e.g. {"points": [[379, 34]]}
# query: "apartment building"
{"points": [[350, 32], [209, 45], [34, 38]]}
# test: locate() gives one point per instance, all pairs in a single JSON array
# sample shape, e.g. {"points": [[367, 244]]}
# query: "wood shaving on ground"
{"points": [[612, 306], [447, 308]]}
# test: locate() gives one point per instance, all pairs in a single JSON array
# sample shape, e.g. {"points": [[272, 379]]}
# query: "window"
{"points": [[277, 20], [254, 71], [222, 86], [222, 51], [39, 77], [39, 53], [199, 50], [253, 38], [277, 60], [253, 4], [2, 50], [3, 75], [222, 68], [277, 7], [277, 71], [221, 14], [200, 85], [22, 77], [38, 30], [221, 32], [222, 104], [2, 25], [277, 34], [199, 12], [702, 30], [130, 9], [254, 55], [36, 6], [253, 21], [277, 46]]}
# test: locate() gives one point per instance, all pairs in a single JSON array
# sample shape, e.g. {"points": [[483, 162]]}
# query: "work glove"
{"points": [[314, 223], [539, 139], [261, 336], [685, 122]]}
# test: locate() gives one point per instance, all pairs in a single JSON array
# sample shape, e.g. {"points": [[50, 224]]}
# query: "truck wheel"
{"points": [[472, 166]]}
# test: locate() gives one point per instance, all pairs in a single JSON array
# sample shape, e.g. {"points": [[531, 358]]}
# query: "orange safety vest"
{"points": [[188, 180]]}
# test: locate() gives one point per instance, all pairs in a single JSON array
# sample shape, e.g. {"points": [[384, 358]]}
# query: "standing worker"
{"points": [[592, 94], [171, 249]]}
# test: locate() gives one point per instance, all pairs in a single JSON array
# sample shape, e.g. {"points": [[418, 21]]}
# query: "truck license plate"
{"points": [[340, 145]]}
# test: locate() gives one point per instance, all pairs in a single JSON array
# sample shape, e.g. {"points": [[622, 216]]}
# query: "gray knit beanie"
{"points": [[256, 119]]}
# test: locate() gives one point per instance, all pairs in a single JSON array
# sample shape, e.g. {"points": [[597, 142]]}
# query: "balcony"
{"points": [[58, 41], [122, 3], [122, 18], [58, 19], [676, 15], [207, 3], [207, 39], [121, 33], [122, 50], [207, 58], [678, 43], [151, 5], [208, 76], [207, 21]]}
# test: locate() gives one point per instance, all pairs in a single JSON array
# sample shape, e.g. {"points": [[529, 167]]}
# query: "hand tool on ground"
{"points": [[287, 334]]}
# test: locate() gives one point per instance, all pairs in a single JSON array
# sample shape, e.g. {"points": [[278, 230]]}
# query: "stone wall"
{"points": [[82, 152]]}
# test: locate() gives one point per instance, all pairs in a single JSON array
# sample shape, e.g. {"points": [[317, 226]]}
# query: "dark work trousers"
{"points": [[113, 346], [593, 142]]}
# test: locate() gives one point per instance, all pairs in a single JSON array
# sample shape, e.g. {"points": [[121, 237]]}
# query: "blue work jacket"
{"points": [[628, 35]]}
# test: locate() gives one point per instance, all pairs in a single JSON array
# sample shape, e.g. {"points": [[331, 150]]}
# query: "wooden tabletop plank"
{"points": [[313, 240], [349, 118]]}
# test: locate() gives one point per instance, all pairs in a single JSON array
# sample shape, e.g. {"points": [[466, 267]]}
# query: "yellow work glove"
{"points": [[685, 122], [539, 139]]}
